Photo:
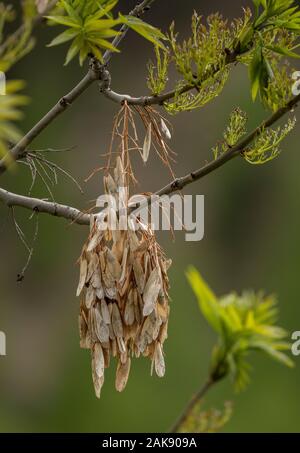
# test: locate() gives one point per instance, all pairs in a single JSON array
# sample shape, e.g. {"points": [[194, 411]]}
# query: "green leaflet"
{"points": [[244, 324], [280, 13], [149, 32], [258, 73], [283, 51], [91, 25], [206, 299]]}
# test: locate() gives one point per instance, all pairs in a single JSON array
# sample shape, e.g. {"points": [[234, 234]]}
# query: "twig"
{"points": [[53, 167], [21, 275], [96, 72], [44, 179], [44, 206], [178, 184], [192, 403], [51, 150], [19, 230], [161, 98]]}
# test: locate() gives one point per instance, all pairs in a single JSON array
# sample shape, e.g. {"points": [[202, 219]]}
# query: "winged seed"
{"points": [[98, 360], [82, 277], [99, 293], [129, 309], [151, 292], [159, 361], [110, 184], [147, 143], [123, 282], [123, 265], [94, 241], [96, 280], [122, 375], [165, 130], [92, 266], [139, 275], [89, 297], [98, 383], [121, 345], [113, 265], [101, 329], [105, 312], [116, 321], [82, 327]]}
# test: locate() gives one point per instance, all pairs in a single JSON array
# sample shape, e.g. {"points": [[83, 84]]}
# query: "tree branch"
{"points": [[144, 100], [81, 218], [192, 403], [179, 183], [43, 206], [96, 72], [231, 57]]}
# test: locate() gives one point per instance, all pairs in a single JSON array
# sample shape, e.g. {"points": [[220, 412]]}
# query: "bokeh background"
{"points": [[252, 224]]}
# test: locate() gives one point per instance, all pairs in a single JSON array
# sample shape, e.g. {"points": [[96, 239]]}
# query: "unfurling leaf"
{"points": [[91, 26], [244, 324], [148, 32], [207, 300], [257, 72]]}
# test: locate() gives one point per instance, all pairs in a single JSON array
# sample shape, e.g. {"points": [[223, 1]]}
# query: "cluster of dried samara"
{"points": [[124, 286]]}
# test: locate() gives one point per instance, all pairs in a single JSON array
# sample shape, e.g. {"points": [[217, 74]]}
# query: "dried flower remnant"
{"points": [[123, 285]]}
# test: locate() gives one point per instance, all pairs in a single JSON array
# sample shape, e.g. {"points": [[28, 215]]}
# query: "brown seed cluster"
{"points": [[124, 287]]}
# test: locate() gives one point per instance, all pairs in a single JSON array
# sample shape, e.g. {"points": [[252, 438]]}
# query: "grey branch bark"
{"points": [[69, 213], [42, 206], [96, 72]]}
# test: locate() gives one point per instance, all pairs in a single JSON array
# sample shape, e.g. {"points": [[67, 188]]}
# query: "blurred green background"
{"points": [[251, 240]]}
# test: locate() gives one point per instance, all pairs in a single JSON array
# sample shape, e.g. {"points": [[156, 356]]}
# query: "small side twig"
{"points": [[69, 213], [191, 404], [53, 166], [21, 275], [22, 237]]}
